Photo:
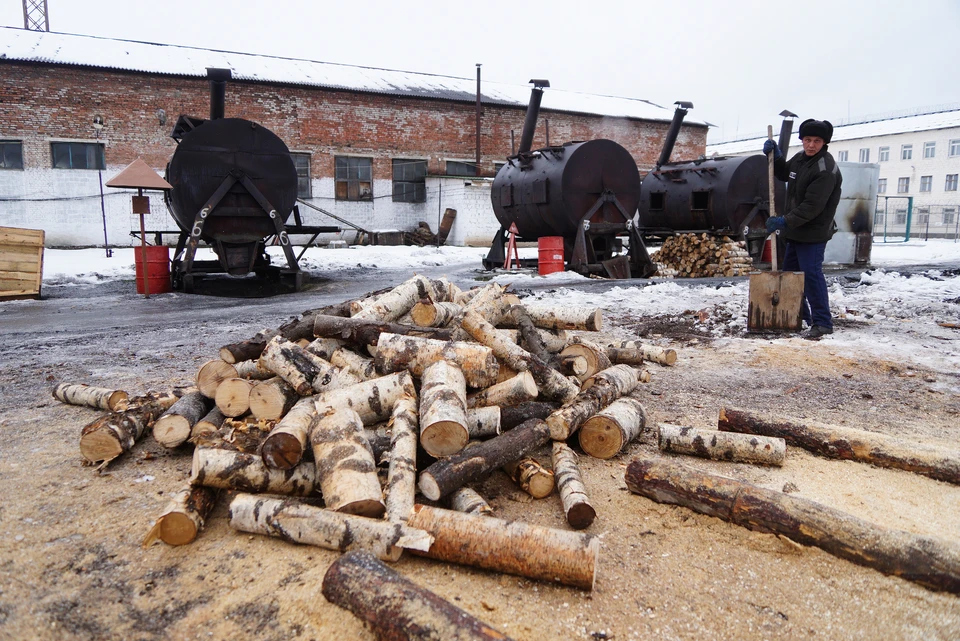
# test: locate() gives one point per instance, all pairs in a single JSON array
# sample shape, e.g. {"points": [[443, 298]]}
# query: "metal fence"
{"points": [[897, 219]]}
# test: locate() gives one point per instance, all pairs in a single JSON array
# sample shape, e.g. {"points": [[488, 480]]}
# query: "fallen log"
{"points": [[834, 441], [435, 314], [533, 478], [443, 405], [556, 317], [173, 428], [396, 353], [96, 397], [110, 435], [595, 356], [373, 400], [722, 446], [445, 476], [360, 366], [930, 562], [513, 547], [530, 338], [293, 364], [625, 352], [297, 522], [244, 472], [365, 332], [599, 391], [573, 494], [396, 608], [573, 366], [346, 469], [253, 370], [396, 302], [183, 517], [272, 399], [233, 396], [402, 472], [469, 501], [606, 433]]}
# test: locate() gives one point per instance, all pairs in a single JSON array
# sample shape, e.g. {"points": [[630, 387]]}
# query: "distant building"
{"points": [[382, 149], [918, 156]]}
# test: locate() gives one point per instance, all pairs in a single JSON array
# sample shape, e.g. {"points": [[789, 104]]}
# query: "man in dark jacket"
{"points": [[813, 192]]}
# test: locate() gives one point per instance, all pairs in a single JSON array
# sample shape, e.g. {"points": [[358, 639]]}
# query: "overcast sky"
{"points": [[739, 62]]}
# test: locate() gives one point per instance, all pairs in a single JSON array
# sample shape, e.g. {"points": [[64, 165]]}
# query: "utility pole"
{"points": [[35, 15]]}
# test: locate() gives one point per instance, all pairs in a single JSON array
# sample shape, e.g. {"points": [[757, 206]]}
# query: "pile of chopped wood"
{"points": [[702, 255], [420, 236]]}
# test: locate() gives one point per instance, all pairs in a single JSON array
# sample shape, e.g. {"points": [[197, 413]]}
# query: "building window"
{"points": [[926, 183], [864, 155], [302, 163], [353, 177], [948, 215], [951, 183], [954, 148], [906, 152], [929, 149], [882, 186], [497, 166], [878, 218], [923, 215], [841, 156], [901, 217], [409, 181], [11, 154], [884, 154], [77, 155], [903, 185], [456, 168]]}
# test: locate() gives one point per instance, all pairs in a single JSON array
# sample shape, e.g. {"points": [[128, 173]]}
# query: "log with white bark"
{"points": [[173, 428], [97, 397], [253, 370], [477, 461], [364, 332], [360, 366], [208, 425], [296, 522], [931, 562], [272, 399], [284, 446], [547, 316], [211, 374], [505, 373], [592, 353], [346, 470], [435, 314], [443, 405], [293, 364], [623, 352], [513, 547], [533, 478], [550, 382], [395, 608], [483, 422], [573, 494], [373, 400], [245, 472], [834, 441], [397, 302], [402, 472], [606, 433], [469, 500], [491, 304], [722, 446], [604, 388], [110, 435], [519, 389], [396, 352], [573, 366], [183, 517], [233, 396]]}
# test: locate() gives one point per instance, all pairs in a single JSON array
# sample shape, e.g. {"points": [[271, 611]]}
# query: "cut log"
{"points": [[530, 338], [244, 435], [272, 399], [722, 446], [183, 517], [381, 442], [246, 350], [396, 302], [373, 400], [402, 472], [533, 478], [346, 469], [443, 405], [243, 472], [364, 332], [626, 351], [396, 353], [297, 522], [573, 366], [834, 441], [324, 347], [445, 476], [109, 436], [173, 428], [293, 364], [396, 608], [519, 389], [360, 366], [594, 354], [513, 547], [96, 397], [580, 514], [599, 391], [930, 562], [253, 370], [483, 422], [505, 373], [606, 433], [556, 317], [211, 374], [435, 314], [208, 425], [490, 303], [510, 417], [233, 396], [469, 501], [284, 446]]}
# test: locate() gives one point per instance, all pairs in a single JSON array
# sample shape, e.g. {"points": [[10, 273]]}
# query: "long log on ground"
{"points": [[515, 547], [443, 409], [211, 374], [510, 417], [483, 422], [401, 485], [233, 396], [396, 608], [244, 472], [573, 494], [272, 399], [469, 500], [365, 332], [519, 389], [533, 478], [625, 352], [396, 352], [110, 435], [183, 517], [208, 425], [606, 433], [595, 356], [722, 446], [474, 463], [928, 561], [346, 469], [834, 441], [297, 522], [173, 428], [606, 387], [589, 319], [97, 397], [284, 446]]}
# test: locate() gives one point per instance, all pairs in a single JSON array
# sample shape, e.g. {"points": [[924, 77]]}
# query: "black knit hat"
{"points": [[821, 128]]}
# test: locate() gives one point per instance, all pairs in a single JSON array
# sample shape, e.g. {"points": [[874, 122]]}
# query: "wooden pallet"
{"points": [[21, 263]]}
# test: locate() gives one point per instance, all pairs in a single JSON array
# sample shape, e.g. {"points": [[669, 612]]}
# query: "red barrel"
{"points": [[157, 261], [550, 254]]}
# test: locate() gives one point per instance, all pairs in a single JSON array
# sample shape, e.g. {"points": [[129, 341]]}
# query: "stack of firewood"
{"points": [[420, 236], [703, 255]]}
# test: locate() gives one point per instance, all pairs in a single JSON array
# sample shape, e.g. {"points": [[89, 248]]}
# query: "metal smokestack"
{"points": [[673, 132], [218, 90], [533, 112], [786, 131]]}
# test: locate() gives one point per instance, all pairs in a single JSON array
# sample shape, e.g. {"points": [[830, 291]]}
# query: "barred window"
{"points": [[353, 177], [409, 180], [77, 155], [302, 163], [11, 154]]}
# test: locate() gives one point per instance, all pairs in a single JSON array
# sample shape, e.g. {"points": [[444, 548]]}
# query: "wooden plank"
{"points": [[21, 262], [19, 252], [21, 236], [24, 266], [775, 301]]}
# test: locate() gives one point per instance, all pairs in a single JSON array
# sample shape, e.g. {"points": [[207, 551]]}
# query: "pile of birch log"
{"points": [[702, 256]]}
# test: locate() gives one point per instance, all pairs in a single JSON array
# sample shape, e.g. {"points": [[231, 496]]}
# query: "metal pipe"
{"points": [[513, 144], [533, 112], [671, 138], [546, 125], [218, 90], [786, 131], [478, 119]]}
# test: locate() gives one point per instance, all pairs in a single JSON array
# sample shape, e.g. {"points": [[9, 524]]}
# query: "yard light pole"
{"points": [[97, 126]]}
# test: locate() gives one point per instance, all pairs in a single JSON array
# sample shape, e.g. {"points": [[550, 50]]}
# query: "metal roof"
{"points": [[127, 55]]}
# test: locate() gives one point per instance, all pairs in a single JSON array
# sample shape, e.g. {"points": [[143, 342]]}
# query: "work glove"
{"points": [[769, 146], [776, 223]]}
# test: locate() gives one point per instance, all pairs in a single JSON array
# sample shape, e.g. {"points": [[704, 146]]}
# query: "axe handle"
{"points": [[773, 210]]}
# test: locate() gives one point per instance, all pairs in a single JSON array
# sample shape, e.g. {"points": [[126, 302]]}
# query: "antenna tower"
{"points": [[35, 15]]}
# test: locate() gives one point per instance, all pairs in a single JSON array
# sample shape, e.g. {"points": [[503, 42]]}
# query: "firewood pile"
{"points": [[420, 236], [701, 256]]}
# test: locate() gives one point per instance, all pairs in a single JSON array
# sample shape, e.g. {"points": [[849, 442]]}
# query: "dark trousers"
{"points": [[808, 258]]}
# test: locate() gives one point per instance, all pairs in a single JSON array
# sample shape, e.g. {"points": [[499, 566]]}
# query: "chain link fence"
{"points": [[897, 219]]}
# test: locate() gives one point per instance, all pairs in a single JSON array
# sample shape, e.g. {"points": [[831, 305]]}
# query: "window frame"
{"points": [[922, 215], [906, 152], [842, 156], [463, 163], [950, 182], [71, 146], [948, 211], [415, 184], [903, 185], [883, 154], [954, 148], [353, 178], [881, 185], [304, 189], [930, 147], [926, 184], [3, 154], [865, 155]]}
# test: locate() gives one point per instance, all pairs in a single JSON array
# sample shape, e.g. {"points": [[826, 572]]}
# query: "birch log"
{"points": [[573, 494], [513, 547], [253, 370], [652, 353], [272, 399], [396, 302], [233, 396], [561, 317], [573, 366], [435, 314], [533, 478], [443, 405], [402, 472], [833, 441], [373, 400], [490, 303], [173, 428], [208, 425], [365, 332], [324, 347], [469, 500], [297, 522], [722, 446], [519, 389], [110, 435], [245, 472], [593, 354], [606, 433], [96, 397], [346, 469], [396, 353], [183, 517], [483, 422], [510, 417], [292, 363], [284, 446], [360, 366], [599, 391], [211, 374], [931, 562]]}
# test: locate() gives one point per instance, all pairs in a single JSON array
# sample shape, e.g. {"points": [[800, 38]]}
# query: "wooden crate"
{"points": [[21, 263]]}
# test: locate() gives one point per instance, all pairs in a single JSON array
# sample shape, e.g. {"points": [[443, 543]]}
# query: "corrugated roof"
{"points": [[90, 51], [855, 131]]}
